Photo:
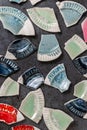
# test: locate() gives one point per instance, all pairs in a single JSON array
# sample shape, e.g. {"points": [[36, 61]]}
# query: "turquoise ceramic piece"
{"points": [[57, 78], [16, 21], [17, 1], [49, 48], [71, 12]]}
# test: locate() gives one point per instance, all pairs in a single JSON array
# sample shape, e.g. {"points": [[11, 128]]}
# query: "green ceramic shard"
{"points": [[75, 46], [9, 88], [56, 119], [32, 105]]}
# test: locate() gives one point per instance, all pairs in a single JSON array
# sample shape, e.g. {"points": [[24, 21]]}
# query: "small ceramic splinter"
{"points": [[33, 2], [24, 127], [18, 1]]}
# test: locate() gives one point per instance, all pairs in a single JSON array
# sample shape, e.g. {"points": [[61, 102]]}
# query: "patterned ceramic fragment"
{"points": [[33, 2], [9, 88], [24, 127], [20, 49], [44, 18], [9, 114], [78, 107], [7, 67], [56, 119], [17, 1], [80, 90], [31, 78], [57, 78], [16, 21], [32, 105], [71, 12], [75, 46], [84, 29], [49, 48], [81, 64]]}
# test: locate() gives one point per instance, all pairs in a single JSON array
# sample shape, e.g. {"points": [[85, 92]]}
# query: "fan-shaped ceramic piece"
{"points": [[44, 18], [24, 127], [49, 48], [84, 29], [56, 119], [32, 105], [57, 78], [16, 21], [17, 1], [71, 12], [20, 49], [75, 46], [33, 2], [9, 114]]}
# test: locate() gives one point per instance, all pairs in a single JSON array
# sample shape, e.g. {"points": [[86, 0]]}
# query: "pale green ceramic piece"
{"points": [[32, 105], [44, 18], [33, 2], [75, 46], [56, 119]]}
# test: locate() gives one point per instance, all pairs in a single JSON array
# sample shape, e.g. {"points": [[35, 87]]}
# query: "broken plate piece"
{"points": [[71, 12], [57, 78], [16, 21], [9, 88], [49, 48], [75, 46], [84, 29], [33, 2], [32, 105], [7, 67], [44, 18], [81, 64], [24, 127], [78, 107], [31, 78], [56, 119], [9, 114], [80, 90], [17, 1], [20, 49]]}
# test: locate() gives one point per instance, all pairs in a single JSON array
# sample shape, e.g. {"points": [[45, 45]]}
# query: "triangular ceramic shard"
{"points": [[7, 67], [31, 78], [44, 18], [17, 1], [56, 119], [33, 2], [24, 127], [78, 107], [71, 12], [75, 46], [49, 48], [57, 78], [81, 64], [84, 29], [16, 21], [20, 49], [80, 90], [9, 114], [32, 105], [9, 88]]}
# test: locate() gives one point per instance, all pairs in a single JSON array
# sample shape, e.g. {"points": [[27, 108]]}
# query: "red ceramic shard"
{"points": [[9, 114], [24, 127], [84, 29]]}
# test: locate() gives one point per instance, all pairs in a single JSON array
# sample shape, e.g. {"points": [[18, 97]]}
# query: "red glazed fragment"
{"points": [[84, 29], [23, 127]]}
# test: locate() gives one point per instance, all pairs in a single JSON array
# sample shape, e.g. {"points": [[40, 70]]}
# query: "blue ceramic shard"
{"points": [[17, 1], [7, 67], [20, 49], [57, 78], [16, 21], [71, 12], [49, 48], [31, 78], [78, 107]]}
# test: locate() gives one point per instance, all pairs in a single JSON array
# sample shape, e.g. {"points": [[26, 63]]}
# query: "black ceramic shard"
{"points": [[7, 67]]}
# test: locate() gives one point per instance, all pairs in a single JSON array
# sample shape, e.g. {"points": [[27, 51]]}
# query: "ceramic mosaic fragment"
{"points": [[44, 18], [16, 21], [78, 107], [84, 29], [9, 114], [75, 46], [20, 49], [17, 1], [7, 67], [32, 105], [71, 12], [31, 78], [33, 2], [9, 88], [49, 48], [57, 78], [56, 119], [24, 127]]}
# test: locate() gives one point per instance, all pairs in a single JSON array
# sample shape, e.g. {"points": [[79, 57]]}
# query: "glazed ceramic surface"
{"points": [[17, 1], [24, 127]]}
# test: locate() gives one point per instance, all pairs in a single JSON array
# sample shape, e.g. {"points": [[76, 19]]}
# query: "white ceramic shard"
{"points": [[33, 2], [17, 1]]}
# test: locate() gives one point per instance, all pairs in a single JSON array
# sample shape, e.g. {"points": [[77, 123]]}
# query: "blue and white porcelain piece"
{"points": [[57, 78], [20, 49], [49, 48], [18, 1], [16, 21]]}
